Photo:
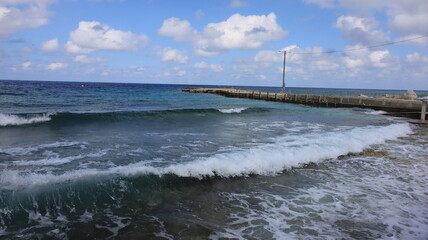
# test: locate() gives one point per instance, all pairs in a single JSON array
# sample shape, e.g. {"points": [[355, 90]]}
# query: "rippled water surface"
{"points": [[134, 161]]}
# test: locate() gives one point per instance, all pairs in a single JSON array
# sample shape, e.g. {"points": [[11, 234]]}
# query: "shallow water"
{"points": [[136, 161]]}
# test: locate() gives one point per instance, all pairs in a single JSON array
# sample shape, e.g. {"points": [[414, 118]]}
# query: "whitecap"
{"points": [[15, 120], [375, 112], [265, 159], [28, 150], [232, 110]]}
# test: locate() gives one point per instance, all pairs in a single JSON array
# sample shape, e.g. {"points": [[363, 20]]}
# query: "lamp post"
{"points": [[283, 72]]}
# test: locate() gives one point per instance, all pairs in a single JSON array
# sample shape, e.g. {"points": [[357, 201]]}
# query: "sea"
{"points": [[145, 161]]}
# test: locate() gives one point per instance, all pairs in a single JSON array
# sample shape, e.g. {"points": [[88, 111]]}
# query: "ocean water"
{"points": [[140, 161]]}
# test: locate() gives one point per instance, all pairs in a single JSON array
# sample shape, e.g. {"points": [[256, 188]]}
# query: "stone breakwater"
{"points": [[399, 107]]}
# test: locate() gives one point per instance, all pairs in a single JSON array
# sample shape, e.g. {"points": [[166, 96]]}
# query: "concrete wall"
{"points": [[391, 105]]}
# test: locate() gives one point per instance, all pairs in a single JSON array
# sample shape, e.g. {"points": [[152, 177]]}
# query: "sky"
{"points": [[221, 42]]}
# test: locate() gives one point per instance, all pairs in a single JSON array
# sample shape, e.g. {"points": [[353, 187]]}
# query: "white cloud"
{"points": [[50, 45], [411, 22], [56, 66], [213, 67], [378, 58], [237, 32], [418, 39], [268, 57], [262, 77], [407, 17], [93, 36], [265, 59], [360, 30], [85, 60], [172, 55], [416, 58], [294, 55], [181, 73], [238, 3], [26, 66], [179, 30], [353, 63], [14, 19], [324, 65]]}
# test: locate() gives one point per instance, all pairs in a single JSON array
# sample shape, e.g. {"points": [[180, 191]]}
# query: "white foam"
{"points": [[56, 160], [15, 120], [266, 159], [27, 150], [362, 194], [375, 112], [232, 110]]}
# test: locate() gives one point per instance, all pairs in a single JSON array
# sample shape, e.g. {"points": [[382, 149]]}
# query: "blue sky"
{"points": [[222, 42]]}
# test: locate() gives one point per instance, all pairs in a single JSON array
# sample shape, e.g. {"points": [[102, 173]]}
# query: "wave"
{"points": [[12, 94], [232, 110], [375, 112], [266, 159], [21, 151], [14, 120], [79, 117]]}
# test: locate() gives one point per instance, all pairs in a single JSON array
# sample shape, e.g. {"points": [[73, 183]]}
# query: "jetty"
{"points": [[396, 107]]}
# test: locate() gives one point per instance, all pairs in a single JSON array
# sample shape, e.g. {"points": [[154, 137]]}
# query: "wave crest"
{"points": [[266, 159], [16, 120], [72, 118], [232, 110]]}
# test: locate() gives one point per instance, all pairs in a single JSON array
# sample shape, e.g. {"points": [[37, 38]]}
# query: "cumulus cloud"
{"points": [[360, 30], [378, 57], [179, 30], [93, 36], [56, 66], [213, 67], [14, 19], [237, 32], [172, 55], [50, 45], [406, 17], [312, 63], [86, 60]]}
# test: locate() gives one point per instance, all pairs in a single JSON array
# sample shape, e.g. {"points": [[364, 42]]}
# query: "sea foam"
{"points": [[232, 110], [15, 120], [265, 159]]}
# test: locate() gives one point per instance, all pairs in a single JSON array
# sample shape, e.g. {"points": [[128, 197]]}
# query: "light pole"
{"points": [[283, 72]]}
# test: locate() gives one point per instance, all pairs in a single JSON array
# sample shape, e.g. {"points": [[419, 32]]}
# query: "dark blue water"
{"points": [[141, 161]]}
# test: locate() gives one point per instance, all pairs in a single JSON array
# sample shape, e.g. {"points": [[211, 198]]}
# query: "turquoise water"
{"points": [[138, 161]]}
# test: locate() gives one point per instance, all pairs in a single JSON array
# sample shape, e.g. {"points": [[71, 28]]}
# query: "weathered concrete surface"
{"points": [[410, 108]]}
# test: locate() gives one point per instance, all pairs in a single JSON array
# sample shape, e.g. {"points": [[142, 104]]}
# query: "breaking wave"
{"points": [[232, 110], [15, 120], [265, 159], [76, 117]]}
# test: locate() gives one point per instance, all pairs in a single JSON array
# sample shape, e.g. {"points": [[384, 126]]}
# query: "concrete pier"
{"points": [[397, 107], [423, 111]]}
